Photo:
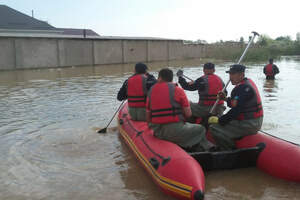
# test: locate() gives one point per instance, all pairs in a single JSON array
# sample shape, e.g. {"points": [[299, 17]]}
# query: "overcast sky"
{"points": [[210, 20]]}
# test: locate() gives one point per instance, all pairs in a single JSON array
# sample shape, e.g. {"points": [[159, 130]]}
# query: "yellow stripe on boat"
{"points": [[168, 184]]}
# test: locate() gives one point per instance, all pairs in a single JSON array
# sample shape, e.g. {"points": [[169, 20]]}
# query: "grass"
{"points": [[258, 53]]}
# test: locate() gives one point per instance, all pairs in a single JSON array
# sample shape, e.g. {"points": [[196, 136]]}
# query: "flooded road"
{"points": [[49, 148]]}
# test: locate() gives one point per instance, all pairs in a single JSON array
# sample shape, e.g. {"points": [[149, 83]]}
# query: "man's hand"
{"points": [[179, 73], [221, 95], [213, 120]]}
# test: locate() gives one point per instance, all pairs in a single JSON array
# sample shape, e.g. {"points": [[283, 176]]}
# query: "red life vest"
{"points": [[137, 91], [252, 108], [269, 70], [213, 84], [164, 109]]}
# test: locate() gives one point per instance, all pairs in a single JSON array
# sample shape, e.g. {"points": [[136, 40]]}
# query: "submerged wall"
{"points": [[30, 52]]}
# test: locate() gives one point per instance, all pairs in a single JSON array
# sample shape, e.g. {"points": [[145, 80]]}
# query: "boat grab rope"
{"points": [[279, 138], [139, 134]]}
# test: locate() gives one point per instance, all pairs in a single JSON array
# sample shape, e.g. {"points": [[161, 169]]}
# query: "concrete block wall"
{"points": [[32, 53], [135, 51], [108, 52], [22, 52], [75, 52], [176, 50], [158, 51], [7, 54]]}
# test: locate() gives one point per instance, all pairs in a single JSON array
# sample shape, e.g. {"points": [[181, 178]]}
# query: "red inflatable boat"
{"points": [[180, 174], [280, 158]]}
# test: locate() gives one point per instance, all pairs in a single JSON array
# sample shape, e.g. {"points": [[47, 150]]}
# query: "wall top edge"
{"points": [[48, 36]]}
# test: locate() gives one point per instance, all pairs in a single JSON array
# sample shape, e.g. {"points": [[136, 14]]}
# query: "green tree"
{"points": [[264, 40]]}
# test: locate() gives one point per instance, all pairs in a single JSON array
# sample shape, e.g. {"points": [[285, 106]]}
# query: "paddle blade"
{"points": [[102, 130]]}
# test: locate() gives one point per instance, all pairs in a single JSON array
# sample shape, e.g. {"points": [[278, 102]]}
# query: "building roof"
{"points": [[16, 24], [134, 38], [13, 19], [77, 32]]}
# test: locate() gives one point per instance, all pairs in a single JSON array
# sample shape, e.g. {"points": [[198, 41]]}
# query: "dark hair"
{"points": [[271, 60], [140, 68], [166, 74]]}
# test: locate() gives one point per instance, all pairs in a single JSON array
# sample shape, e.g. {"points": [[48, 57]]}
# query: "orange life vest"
{"points": [[214, 84], [252, 108], [164, 109], [137, 91]]}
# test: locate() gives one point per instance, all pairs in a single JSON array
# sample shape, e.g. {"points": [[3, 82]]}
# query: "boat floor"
{"points": [[238, 158]]}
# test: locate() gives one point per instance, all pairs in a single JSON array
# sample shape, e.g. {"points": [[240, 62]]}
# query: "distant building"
{"points": [[14, 23]]}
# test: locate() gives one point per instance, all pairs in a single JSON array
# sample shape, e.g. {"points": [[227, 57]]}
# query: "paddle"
{"points": [[180, 73], [241, 58], [104, 129]]}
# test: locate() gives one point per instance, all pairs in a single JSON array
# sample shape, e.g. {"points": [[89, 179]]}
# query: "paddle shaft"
{"points": [[187, 77], [114, 114], [240, 60]]}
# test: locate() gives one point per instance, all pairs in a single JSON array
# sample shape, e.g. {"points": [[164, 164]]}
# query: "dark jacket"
{"points": [[242, 93], [198, 84]]}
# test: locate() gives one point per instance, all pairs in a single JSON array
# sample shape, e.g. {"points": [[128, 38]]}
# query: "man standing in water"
{"points": [[135, 88], [246, 114], [270, 70], [208, 87], [167, 108]]}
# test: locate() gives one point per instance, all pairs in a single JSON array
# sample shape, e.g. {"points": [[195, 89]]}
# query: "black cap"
{"points": [[140, 68], [209, 66], [236, 69]]}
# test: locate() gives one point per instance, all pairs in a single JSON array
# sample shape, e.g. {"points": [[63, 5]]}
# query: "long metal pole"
{"points": [[240, 60], [187, 77], [103, 130]]}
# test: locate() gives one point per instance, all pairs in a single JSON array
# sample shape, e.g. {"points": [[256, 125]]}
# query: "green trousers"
{"points": [[186, 135], [137, 114], [225, 136], [199, 110]]}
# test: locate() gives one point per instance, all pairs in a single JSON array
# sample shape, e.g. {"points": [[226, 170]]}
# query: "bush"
{"points": [[264, 49]]}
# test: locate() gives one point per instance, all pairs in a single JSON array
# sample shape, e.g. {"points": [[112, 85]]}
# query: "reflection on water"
{"points": [[253, 184], [270, 90], [49, 148]]}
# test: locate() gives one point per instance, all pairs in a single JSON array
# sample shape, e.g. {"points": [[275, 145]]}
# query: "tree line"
{"points": [[264, 48]]}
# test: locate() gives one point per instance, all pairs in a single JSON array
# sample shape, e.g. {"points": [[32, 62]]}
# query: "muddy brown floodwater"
{"points": [[49, 148]]}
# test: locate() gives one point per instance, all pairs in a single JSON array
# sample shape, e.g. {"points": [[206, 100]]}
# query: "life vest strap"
{"points": [[142, 100], [166, 109], [166, 114], [134, 97], [172, 112], [255, 108]]}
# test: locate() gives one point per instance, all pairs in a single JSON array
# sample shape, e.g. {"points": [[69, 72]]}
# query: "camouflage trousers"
{"points": [[137, 114], [184, 134], [202, 111], [225, 136]]}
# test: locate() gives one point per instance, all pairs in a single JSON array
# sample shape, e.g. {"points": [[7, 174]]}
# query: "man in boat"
{"points": [[208, 87], [167, 108], [135, 89], [246, 114], [270, 70]]}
